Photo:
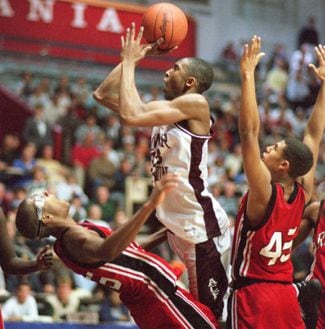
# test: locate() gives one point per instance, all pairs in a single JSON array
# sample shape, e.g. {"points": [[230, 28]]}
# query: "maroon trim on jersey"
{"points": [[182, 125], [211, 222]]}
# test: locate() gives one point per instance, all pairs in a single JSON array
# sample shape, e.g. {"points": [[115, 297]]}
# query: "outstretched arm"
{"points": [[113, 245], [12, 264], [107, 93], [315, 126], [154, 239], [258, 177]]}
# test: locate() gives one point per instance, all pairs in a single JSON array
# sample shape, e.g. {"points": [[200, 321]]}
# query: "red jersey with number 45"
{"points": [[263, 252]]}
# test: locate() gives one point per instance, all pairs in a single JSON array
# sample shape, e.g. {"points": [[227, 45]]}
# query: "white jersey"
{"points": [[189, 211]]}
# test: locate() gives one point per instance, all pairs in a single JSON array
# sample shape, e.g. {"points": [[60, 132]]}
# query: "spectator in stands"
{"points": [[229, 56], [26, 163], [118, 189], [77, 210], [9, 149], [36, 130], [65, 300], [53, 111], [82, 155], [95, 215], [120, 218], [308, 34], [278, 52], [55, 171], [90, 126], [25, 86], [101, 170], [22, 306], [297, 91], [66, 190], [69, 123], [39, 97], [300, 59], [63, 91], [112, 127], [276, 79], [80, 89], [39, 181], [103, 198], [234, 163], [229, 198], [18, 194], [127, 143], [112, 308]]}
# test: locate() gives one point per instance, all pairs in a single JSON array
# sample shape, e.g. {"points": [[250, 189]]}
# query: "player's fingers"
{"points": [[320, 51], [140, 34], [127, 36], [132, 34], [314, 68], [259, 56], [246, 50]]}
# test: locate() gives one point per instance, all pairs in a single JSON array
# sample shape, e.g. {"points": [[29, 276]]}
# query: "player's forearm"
{"points": [[316, 123], [155, 239], [130, 102], [107, 93], [248, 116], [19, 266], [113, 245]]}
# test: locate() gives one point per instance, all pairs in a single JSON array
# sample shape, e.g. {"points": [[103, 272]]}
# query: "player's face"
{"points": [[55, 206], [175, 80], [273, 155]]}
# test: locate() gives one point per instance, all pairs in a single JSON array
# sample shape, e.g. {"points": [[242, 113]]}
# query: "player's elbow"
{"points": [[127, 120], [98, 96]]}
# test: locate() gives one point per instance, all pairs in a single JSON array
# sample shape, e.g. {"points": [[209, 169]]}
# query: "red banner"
{"points": [[88, 30]]}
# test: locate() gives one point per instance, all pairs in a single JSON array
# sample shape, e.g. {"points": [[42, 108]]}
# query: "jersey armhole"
{"points": [[268, 212]]}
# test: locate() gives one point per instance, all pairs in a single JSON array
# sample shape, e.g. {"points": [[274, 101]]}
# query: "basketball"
{"points": [[164, 20]]}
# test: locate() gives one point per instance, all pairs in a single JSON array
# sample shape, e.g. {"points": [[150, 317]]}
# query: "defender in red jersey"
{"points": [[279, 186], [146, 283], [314, 218]]}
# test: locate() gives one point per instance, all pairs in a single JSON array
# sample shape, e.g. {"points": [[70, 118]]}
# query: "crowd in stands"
{"points": [[97, 155]]}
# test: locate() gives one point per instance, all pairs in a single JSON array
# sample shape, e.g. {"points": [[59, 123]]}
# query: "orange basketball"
{"points": [[164, 20]]}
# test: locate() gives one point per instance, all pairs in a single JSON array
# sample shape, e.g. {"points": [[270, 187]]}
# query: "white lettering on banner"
{"points": [[79, 15], [41, 10], [5, 9], [110, 22]]}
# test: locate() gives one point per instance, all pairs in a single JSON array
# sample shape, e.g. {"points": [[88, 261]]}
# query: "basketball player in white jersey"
{"points": [[198, 226]]}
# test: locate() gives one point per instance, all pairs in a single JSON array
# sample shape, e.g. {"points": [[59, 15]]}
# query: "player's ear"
{"points": [[190, 82], [285, 165]]}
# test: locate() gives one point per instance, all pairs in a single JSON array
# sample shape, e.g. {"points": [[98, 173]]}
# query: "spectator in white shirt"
{"points": [[22, 306]]}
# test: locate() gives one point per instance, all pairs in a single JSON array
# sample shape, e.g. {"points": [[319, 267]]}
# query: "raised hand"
{"points": [[133, 50], [45, 258], [251, 55], [320, 70]]}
